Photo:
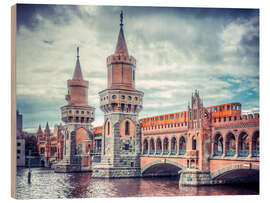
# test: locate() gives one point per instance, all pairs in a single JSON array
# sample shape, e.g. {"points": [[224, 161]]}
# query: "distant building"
{"points": [[20, 142], [50, 145], [19, 120]]}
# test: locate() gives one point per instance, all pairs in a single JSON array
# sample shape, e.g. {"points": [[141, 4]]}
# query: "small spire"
{"points": [[39, 128], [121, 46], [47, 127], [77, 75], [121, 19], [78, 51]]}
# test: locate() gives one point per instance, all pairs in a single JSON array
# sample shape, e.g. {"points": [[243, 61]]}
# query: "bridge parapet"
{"points": [[230, 119], [243, 121], [165, 128], [235, 158]]}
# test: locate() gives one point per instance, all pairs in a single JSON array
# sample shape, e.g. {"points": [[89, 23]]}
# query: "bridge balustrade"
{"points": [[243, 153], [255, 153], [158, 151], [173, 152], [230, 152], [145, 151], [218, 153], [165, 152], [152, 152], [182, 152]]}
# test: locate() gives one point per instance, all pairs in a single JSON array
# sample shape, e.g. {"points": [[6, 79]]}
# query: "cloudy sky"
{"points": [[178, 50]]}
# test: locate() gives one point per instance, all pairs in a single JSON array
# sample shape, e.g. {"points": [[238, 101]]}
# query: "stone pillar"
{"points": [[162, 146], [224, 146], [194, 177], [148, 144], [236, 145], [177, 143], [250, 147], [213, 147], [155, 145]]}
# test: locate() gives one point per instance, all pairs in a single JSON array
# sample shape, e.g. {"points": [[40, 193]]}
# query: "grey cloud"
{"points": [[179, 45]]}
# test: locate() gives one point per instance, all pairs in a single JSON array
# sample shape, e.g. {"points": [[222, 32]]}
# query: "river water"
{"points": [[47, 184]]}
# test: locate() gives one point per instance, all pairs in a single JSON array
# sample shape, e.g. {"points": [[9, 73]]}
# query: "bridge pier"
{"points": [[194, 177]]}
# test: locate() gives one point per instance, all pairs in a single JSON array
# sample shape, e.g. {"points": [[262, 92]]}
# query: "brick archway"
{"points": [[236, 167], [164, 163]]}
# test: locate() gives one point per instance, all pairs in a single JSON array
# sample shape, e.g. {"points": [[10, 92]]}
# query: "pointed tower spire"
{"points": [[47, 129], [121, 46], [39, 129], [77, 75]]}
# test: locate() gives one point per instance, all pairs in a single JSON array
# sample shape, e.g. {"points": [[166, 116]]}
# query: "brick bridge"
{"points": [[219, 150]]}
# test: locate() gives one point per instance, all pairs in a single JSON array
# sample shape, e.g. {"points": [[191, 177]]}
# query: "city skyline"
{"points": [[199, 49]]}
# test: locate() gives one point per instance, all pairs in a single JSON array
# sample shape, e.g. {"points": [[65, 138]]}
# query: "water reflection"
{"points": [[47, 184]]}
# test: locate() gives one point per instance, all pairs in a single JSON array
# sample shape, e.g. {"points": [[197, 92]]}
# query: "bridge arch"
{"points": [[145, 146], [255, 143], [236, 173], [230, 144], [162, 168], [173, 145], [158, 146], [152, 146], [243, 143], [218, 144], [165, 145], [182, 145]]}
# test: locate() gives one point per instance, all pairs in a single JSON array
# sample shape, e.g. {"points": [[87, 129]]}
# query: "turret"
{"points": [[121, 95], [121, 104], [77, 110], [121, 67], [77, 87]]}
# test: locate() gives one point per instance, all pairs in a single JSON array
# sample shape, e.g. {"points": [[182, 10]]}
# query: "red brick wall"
{"points": [[132, 129], [81, 134]]}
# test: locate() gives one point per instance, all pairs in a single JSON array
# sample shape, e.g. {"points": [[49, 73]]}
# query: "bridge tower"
{"points": [[121, 103], [78, 117], [199, 144]]}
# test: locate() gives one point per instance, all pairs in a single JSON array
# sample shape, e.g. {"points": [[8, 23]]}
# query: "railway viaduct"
{"points": [[204, 150]]}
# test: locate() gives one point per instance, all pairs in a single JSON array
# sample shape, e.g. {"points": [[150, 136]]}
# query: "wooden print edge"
{"points": [[13, 100]]}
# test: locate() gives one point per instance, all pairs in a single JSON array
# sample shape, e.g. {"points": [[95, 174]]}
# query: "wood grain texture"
{"points": [[13, 101]]}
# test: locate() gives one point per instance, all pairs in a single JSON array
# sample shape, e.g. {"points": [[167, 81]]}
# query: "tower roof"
{"points": [[121, 46], [39, 129], [47, 129], [77, 75]]}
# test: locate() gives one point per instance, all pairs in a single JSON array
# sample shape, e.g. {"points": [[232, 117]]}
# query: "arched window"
{"points": [[159, 146], [152, 146], [173, 146], [192, 164], [243, 145], [145, 146], [165, 146], [127, 126], [194, 143], [108, 128], [256, 144], [182, 146], [218, 145], [230, 145]]}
